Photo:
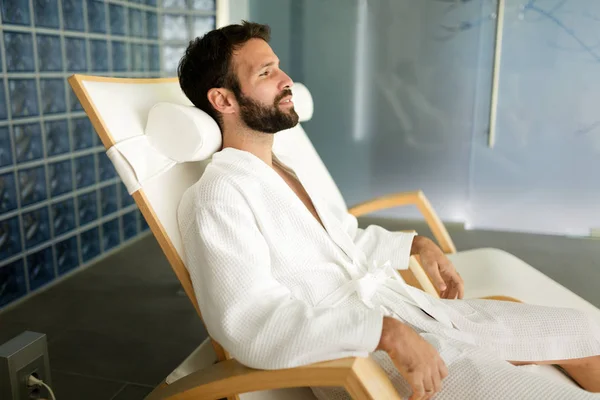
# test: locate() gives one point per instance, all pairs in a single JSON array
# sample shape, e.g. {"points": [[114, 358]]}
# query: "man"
{"points": [[284, 278]]}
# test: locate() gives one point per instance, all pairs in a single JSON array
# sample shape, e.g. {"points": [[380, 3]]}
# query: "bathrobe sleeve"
{"points": [[252, 315], [379, 244]]}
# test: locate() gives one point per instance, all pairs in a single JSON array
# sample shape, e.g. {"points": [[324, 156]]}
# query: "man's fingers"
{"points": [[429, 385], [455, 283], [461, 287], [436, 278], [416, 383], [437, 381], [443, 369], [453, 291]]}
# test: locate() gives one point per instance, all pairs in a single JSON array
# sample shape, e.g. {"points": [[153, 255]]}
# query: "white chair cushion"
{"points": [[493, 272]]}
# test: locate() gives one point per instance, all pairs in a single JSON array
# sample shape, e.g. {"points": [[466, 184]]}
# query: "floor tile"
{"points": [[68, 386], [116, 358], [133, 392]]}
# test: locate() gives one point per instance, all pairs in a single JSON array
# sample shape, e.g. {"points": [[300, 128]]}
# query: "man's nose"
{"points": [[286, 82]]}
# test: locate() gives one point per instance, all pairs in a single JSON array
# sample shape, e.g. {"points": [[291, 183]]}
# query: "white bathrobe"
{"points": [[278, 290]]}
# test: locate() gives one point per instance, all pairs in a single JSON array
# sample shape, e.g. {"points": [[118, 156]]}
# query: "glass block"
{"points": [[8, 193], [74, 103], [23, 97], [36, 227], [18, 47], [3, 109], [119, 53], [108, 200], [75, 51], [28, 142], [136, 23], [46, 13], [171, 57], [143, 224], [96, 16], [138, 57], [90, 244], [174, 27], [53, 96], [106, 167], [85, 171], [153, 58], [111, 234], [67, 255], [49, 53], [32, 185], [10, 237], [87, 205], [63, 216], [60, 177], [130, 225], [5, 147], [204, 5], [126, 198], [57, 137], [202, 25], [40, 266], [73, 15], [174, 4], [99, 54], [151, 25], [118, 18], [15, 12], [83, 133], [12, 277]]}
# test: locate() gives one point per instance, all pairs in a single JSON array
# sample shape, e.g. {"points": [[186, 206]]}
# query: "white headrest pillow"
{"points": [[186, 133], [303, 102]]}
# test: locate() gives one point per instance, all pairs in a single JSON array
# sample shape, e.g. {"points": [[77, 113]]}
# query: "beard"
{"points": [[266, 119]]}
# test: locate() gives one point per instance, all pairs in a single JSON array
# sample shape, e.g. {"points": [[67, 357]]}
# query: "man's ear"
{"points": [[222, 100]]}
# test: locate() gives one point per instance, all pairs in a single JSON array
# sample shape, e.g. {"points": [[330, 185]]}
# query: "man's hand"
{"points": [[416, 360], [438, 267]]}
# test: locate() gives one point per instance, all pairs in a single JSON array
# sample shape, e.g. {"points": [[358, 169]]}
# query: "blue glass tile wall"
{"points": [[62, 204]]}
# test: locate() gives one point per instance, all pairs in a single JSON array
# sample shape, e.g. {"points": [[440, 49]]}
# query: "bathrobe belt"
{"points": [[382, 286]]}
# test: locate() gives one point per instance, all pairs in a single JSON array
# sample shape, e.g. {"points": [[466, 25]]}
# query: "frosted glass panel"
{"points": [[430, 56], [394, 84], [543, 174]]}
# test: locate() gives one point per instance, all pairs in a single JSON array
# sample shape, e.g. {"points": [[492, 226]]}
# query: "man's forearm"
{"points": [[417, 244], [390, 332]]}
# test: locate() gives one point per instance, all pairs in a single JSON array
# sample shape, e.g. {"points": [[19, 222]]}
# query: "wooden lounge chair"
{"points": [[157, 177]]}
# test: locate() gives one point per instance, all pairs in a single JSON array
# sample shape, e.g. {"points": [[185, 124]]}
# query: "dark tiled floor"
{"points": [[118, 328]]}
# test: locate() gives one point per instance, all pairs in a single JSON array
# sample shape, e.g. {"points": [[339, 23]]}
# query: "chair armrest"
{"points": [[409, 198], [363, 378]]}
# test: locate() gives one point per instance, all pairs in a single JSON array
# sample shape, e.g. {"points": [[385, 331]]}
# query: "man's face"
{"points": [[264, 94]]}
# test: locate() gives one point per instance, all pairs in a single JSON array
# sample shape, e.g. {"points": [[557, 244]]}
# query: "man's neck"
{"points": [[258, 143]]}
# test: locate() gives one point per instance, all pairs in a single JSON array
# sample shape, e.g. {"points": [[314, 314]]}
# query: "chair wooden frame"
{"points": [[362, 377]]}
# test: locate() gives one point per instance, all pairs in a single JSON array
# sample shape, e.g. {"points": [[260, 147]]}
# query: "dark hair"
{"points": [[206, 63]]}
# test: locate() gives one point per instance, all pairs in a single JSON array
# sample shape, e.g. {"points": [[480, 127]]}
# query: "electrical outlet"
{"points": [[20, 357], [35, 367]]}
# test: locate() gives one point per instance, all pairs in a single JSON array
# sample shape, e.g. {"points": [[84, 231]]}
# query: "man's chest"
{"points": [[299, 190]]}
